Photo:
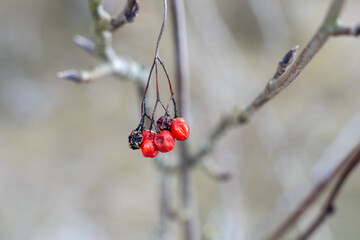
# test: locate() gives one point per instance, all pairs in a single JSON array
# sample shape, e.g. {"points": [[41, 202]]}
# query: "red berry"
{"points": [[164, 141], [180, 129], [148, 148], [146, 133], [180, 119]]}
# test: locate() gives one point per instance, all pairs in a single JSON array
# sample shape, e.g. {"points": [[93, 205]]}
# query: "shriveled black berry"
{"points": [[164, 123], [135, 140]]}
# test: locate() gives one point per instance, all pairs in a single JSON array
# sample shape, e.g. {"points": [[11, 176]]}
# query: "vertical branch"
{"points": [[182, 59], [183, 81], [165, 194]]}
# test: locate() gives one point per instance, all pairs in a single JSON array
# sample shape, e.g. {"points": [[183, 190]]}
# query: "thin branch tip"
{"points": [[128, 15], [133, 11], [73, 75], [66, 73], [85, 43], [346, 31], [295, 49]]}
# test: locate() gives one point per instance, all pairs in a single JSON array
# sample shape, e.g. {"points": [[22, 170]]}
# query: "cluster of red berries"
{"points": [[151, 143]]}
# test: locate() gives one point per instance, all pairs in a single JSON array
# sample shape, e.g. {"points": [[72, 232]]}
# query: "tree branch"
{"points": [[346, 168], [165, 199], [346, 31], [281, 79], [191, 231], [314, 195], [100, 46]]}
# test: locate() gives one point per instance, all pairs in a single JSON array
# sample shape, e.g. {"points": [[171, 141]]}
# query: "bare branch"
{"points": [[281, 80], [346, 31], [101, 47], [165, 200], [347, 167], [333, 13], [311, 198], [289, 210], [191, 228]]}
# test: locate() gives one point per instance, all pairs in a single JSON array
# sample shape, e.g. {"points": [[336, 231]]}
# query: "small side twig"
{"points": [[128, 14], [86, 76], [212, 169], [346, 31]]}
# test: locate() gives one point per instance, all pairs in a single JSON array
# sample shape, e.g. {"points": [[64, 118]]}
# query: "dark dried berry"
{"points": [[164, 123], [135, 140]]}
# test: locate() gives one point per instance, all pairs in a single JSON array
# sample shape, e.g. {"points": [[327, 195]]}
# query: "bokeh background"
{"points": [[66, 172]]}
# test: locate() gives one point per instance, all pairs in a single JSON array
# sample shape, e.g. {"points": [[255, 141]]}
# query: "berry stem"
{"points": [[158, 59], [157, 96], [161, 31], [171, 90]]}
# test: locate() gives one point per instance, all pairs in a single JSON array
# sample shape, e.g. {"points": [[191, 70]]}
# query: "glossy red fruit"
{"points": [[180, 119], [164, 141], [180, 129], [146, 133], [148, 148]]}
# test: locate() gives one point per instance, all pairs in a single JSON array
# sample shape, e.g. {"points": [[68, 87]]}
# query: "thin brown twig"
{"points": [[347, 167], [161, 30], [347, 31], [274, 86], [157, 96], [155, 62], [213, 170]]}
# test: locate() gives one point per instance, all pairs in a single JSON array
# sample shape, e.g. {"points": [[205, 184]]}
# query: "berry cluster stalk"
{"points": [[157, 60]]}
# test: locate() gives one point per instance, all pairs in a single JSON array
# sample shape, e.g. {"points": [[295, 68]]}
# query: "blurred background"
{"points": [[66, 171]]}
